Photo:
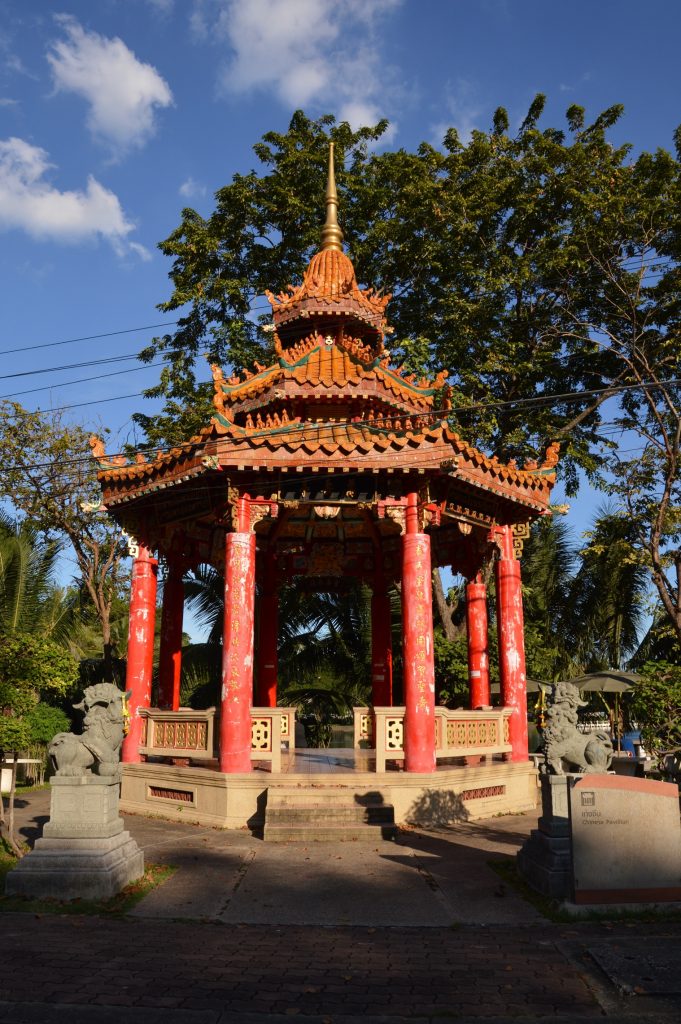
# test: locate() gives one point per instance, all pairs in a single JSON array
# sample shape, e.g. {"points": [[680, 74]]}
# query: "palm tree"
{"points": [[548, 577], [324, 650], [30, 601], [586, 607], [610, 592]]}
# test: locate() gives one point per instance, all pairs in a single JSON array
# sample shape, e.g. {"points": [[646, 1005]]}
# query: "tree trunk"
{"points": [[11, 837], [444, 609]]}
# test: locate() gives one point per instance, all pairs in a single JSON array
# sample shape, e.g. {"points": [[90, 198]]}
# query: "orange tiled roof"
{"points": [[345, 366], [394, 444], [329, 286]]}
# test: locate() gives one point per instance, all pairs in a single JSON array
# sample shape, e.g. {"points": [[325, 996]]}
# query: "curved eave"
{"points": [[313, 306], [340, 447], [329, 368]]}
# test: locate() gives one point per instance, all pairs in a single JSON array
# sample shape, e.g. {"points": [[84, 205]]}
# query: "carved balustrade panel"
{"points": [[179, 733], [261, 734], [457, 733], [394, 733]]}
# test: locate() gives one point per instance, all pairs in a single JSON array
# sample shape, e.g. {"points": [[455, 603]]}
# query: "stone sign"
{"points": [[626, 840]]}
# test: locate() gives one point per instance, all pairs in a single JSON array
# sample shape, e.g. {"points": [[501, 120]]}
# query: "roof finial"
{"points": [[332, 236]]}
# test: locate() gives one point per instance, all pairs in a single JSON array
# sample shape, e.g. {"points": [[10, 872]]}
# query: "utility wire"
{"points": [[320, 431], [81, 380], [86, 337], [649, 267]]}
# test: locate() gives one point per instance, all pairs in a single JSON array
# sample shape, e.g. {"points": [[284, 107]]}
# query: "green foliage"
{"points": [[451, 670], [29, 665], [476, 243], [30, 602], [656, 705], [583, 609], [48, 475], [44, 721]]}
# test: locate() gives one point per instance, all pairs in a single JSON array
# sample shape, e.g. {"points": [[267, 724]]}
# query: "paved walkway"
{"points": [[418, 929]]}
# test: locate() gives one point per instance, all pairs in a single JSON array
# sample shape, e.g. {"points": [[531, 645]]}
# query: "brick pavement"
{"points": [[226, 972], [158, 969], [298, 970]]}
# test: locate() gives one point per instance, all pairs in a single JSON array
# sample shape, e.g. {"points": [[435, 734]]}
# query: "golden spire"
{"points": [[332, 236]]}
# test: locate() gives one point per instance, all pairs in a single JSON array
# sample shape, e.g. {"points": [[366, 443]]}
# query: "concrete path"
{"points": [[418, 929]]}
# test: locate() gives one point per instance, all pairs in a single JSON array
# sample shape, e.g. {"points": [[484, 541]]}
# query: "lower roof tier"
{"points": [[260, 456]]}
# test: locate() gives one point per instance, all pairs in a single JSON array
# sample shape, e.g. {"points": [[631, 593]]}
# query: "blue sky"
{"points": [[116, 114]]}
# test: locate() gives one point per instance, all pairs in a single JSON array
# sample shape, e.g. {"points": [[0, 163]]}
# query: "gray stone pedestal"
{"points": [[545, 859], [85, 852]]}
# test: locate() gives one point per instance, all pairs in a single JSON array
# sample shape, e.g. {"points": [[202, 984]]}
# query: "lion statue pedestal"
{"points": [[545, 859], [85, 851]]}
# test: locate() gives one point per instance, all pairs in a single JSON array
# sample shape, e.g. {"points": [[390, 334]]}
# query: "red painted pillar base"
{"points": [[381, 648], [417, 646], [478, 656], [170, 656], [512, 645], [267, 648], [140, 656], [237, 653]]}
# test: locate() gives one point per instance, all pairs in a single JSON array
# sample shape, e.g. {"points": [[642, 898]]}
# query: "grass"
{"points": [[118, 906], [551, 909]]}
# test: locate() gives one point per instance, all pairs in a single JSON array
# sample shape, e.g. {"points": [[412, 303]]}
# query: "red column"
{"points": [[478, 655], [268, 635], [170, 656], [417, 646], [140, 656], [511, 643], [237, 652], [381, 647]]}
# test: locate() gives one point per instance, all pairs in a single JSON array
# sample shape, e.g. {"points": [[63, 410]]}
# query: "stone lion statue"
{"points": [[564, 745], [97, 751]]}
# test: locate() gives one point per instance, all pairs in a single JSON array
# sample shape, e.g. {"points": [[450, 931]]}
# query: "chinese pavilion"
{"points": [[326, 464]]}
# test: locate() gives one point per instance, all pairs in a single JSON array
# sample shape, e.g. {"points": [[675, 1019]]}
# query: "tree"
{"points": [[474, 242], [610, 592], [656, 705], [633, 314], [30, 665], [48, 475], [30, 601], [584, 610]]}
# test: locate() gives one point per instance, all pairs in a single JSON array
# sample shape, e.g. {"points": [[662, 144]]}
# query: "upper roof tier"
{"points": [[318, 370], [329, 288]]}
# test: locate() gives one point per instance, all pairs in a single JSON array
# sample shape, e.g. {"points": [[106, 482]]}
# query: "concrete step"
{"points": [[297, 815], [281, 796], [328, 833], [331, 815]]}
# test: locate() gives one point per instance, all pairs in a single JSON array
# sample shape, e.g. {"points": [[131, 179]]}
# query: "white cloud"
{"points": [[305, 52], [28, 202], [15, 66], [122, 91], [162, 6], [191, 189], [465, 112]]}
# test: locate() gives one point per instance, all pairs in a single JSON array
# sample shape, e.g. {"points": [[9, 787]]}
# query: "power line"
{"points": [[81, 380], [319, 431], [86, 337]]}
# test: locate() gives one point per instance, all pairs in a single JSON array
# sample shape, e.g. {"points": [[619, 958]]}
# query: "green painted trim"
{"points": [[227, 389]]}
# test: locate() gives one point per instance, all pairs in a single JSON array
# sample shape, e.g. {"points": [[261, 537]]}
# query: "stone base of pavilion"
{"points": [[206, 796]]}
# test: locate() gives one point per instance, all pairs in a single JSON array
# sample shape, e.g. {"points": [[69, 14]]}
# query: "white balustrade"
{"points": [[457, 733]]}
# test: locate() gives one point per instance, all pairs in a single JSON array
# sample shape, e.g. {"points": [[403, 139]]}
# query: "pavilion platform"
{"points": [[456, 791]]}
